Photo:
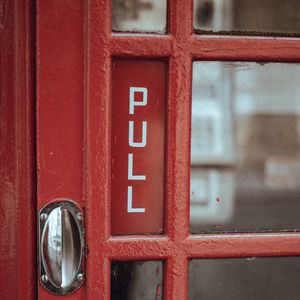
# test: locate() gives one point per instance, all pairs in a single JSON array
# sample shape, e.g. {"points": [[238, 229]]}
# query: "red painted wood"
{"points": [[75, 64], [245, 48], [9, 167], [180, 46], [138, 168], [98, 145], [17, 173], [60, 109], [180, 80], [208, 47], [205, 246], [147, 46]]}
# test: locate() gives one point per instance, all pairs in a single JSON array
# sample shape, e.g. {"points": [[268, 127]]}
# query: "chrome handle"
{"points": [[61, 246]]}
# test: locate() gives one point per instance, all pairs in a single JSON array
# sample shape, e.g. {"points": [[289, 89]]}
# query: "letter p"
{"points": [[132, 103]]}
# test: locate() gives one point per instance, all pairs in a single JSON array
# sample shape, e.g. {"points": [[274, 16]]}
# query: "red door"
{"points": [[115, 134], [17, 154]]}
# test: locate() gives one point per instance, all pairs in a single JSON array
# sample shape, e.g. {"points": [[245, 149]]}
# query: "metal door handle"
{"points": [[61, 246]]}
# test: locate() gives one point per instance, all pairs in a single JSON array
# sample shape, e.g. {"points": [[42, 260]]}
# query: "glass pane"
{"points": [[140, 15], [247, 278], [248, 16], [136, 280], [245, 157]]}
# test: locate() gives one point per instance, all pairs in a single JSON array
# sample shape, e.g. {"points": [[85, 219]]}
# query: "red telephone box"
{"points": [[103, 118]]}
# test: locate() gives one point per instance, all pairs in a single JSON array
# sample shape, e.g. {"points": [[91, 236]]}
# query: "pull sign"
{"points": [[138, 146], [61, 242]]}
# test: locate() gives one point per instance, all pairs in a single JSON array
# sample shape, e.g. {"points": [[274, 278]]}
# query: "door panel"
{"points": [[60, 107], [76, 51]]}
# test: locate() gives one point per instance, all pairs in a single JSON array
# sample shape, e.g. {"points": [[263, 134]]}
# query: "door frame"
{"points": [[17, 154]]}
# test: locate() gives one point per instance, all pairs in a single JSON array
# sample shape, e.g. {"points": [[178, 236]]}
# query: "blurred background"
{"points": [[245, 157], [272, 17], [256, 16]]}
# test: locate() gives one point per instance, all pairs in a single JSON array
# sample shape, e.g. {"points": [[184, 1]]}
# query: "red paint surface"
{"points": [[148, 161], [17, 165], [82, 78], [60, 108]]}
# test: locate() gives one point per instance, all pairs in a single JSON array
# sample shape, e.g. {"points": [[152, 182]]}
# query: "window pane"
{"points": [[272, 278], [140, 15], [136, 280], [245, 157], [248, 16]]}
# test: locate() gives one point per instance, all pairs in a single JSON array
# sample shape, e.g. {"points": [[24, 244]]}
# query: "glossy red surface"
{"points": [[17, 165], [144, 160], [75, 50], [60, 108]]}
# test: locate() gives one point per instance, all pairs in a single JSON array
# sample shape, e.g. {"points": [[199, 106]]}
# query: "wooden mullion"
{"points": [[97, 138], [243, 245], [178, 145], [176, 277], [135, 249], [181, 19], [244, 48], [141, 46]]}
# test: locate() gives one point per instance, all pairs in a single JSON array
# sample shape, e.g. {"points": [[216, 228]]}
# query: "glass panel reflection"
{"points": [[135, 280], [272, 278], [251, 16], [139, 15], [245, 157]]}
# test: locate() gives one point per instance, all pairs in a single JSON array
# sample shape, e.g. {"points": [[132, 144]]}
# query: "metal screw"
{"points": [[44, 278], [79, 217], [43, 217], [80, 276]]}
